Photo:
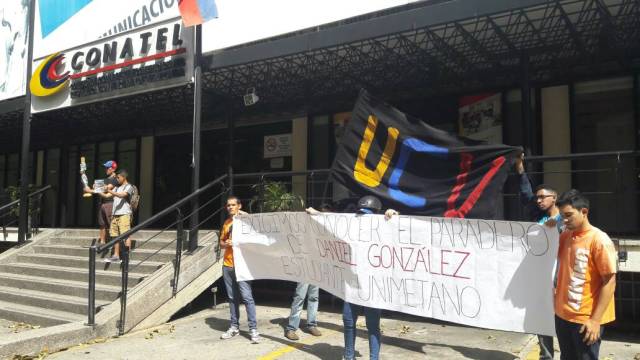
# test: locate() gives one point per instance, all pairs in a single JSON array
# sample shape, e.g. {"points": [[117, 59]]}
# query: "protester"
{"points": [[121, 215], [543, 210], [312, 293], [106, 200], [235, 288], [350, 312], [586, 280]]}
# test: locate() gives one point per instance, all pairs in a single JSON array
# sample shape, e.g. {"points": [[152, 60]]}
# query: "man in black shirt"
{"points": [[106, 199]]}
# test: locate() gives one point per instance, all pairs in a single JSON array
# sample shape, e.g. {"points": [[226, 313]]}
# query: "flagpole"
{"points": [[197, 102], [26, 136]]}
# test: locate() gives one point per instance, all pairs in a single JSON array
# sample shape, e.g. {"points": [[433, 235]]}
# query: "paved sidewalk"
{"points": [[404, 337]]}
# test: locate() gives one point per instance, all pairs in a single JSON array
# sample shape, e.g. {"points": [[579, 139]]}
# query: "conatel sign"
{"points": [[146, 58]]}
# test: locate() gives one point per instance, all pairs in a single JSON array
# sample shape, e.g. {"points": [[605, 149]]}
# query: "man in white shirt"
{"points": [[121, 221]]}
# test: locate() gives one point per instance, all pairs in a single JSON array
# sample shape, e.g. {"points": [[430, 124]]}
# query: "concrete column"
{"points": [[556, 135], [146, 177], [299, 155]]}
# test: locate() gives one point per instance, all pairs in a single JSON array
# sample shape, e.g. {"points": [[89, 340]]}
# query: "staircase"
{"points": [[47, 285]]}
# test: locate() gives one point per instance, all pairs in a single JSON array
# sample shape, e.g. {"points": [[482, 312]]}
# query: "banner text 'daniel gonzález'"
{"points": [[485, 273]]}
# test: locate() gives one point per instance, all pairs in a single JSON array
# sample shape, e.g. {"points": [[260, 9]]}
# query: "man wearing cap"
{"points": [[106, 200], [366, 205]]}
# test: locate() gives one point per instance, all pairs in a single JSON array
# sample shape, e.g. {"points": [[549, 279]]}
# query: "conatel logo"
{"points": [[46, 80]]}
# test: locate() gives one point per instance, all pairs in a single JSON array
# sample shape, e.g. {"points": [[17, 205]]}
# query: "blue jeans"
{"points": [[303, 290], [236, 289], [546, 347], [571, 345], [350, 314]]}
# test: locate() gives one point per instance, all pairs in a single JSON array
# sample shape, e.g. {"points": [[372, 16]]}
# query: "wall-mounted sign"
{"points": [[147, 58], [277, 146], [70, 23]]}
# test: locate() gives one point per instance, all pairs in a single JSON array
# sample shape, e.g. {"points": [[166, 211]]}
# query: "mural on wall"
{"points": [[13, 55]]}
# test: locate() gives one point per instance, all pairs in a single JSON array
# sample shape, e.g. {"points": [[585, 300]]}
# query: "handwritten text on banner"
{"points": [[485, 273]]}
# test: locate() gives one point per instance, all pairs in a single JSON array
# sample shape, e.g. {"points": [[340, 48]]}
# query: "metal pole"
{"points": [[197, 100], [231, 138], [125, 285], [91, 309], [525, 89], [26, 136], [179, 238]]}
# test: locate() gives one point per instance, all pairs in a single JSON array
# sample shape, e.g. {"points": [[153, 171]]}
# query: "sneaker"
{"points": [[314, 331], [291, 335], [230, 333], [113, 259], [255, 336]]}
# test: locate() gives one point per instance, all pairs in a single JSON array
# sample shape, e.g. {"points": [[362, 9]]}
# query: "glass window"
{"points": [[128, 158], [52, 177], [73, 189], [13, 170], [85, 206], [106, 152], [3, 167], [604, 118]]}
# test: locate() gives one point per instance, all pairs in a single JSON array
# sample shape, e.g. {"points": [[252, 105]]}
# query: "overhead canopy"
{"points": [[413, 51]]}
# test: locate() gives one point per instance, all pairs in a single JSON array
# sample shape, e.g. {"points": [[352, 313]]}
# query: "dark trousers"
{"points": [[571, 345]]}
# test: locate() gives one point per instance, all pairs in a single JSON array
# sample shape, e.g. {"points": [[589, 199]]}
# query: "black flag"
{"points": [[416, 168]]}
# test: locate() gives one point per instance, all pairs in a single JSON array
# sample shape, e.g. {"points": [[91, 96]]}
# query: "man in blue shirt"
{"points": [[543, 210]]}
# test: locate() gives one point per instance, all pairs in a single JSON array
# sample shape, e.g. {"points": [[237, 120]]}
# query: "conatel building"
{"points": [[560, 78]]}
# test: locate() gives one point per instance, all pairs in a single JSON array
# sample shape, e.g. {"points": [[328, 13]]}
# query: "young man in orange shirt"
{"points": [[235, 288], [586, 280]]}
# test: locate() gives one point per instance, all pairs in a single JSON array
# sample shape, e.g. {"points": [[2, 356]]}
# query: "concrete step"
{"points": [[46, 300], [111, 278], [144, 234], [146, 267], [138, 254], [85, 242], [36, 315], [70, 288]]}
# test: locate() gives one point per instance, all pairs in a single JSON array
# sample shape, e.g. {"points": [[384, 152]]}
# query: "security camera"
{"points": [[250, 98]]}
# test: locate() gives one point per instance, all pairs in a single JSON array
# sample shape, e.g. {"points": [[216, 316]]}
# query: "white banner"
{"points": [[484, 273]]}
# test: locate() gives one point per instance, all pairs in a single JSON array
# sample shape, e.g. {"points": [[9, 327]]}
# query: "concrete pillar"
{"points": [[146, 177], [556, 135], [299, 155]]}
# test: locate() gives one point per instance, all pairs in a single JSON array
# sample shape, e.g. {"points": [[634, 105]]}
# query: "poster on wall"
{"points": [[480, 117], [13, 56]]}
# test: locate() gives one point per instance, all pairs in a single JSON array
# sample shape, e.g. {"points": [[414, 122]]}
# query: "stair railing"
{"points": [[212, 207], [9, 217]]}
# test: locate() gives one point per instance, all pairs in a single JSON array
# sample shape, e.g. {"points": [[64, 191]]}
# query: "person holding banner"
{"points": [[584, 296], [350, 312], [106, 200], [542, 205], [236, 289], [311, 293]]}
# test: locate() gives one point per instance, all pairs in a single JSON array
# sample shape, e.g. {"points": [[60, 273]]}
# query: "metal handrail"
{"points": [[124, 253], [34, 222], [584, 156], [161, 214], [16, 202]]}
